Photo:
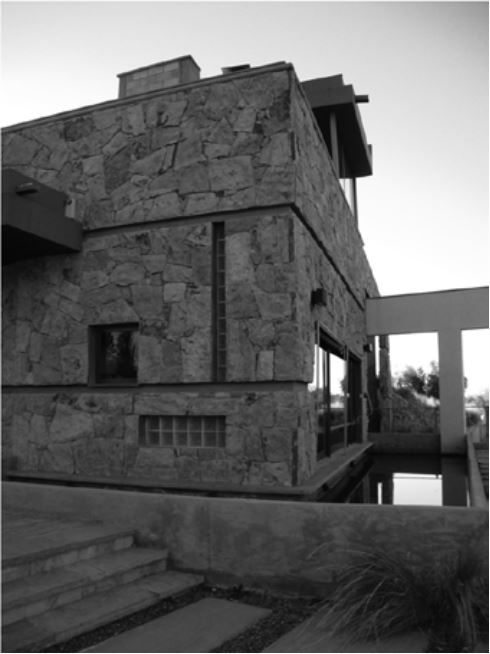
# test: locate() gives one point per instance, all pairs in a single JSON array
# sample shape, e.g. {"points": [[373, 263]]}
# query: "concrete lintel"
{"points": [[465, 308]]}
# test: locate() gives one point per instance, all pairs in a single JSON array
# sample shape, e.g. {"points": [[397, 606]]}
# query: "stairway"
{"points": [[63, 579]]}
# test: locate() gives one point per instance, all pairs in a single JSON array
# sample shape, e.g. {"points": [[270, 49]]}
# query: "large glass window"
{"points": [[336, 388]]}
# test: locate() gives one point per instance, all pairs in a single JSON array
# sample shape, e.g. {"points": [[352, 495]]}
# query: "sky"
{"points": [[423, 215]]}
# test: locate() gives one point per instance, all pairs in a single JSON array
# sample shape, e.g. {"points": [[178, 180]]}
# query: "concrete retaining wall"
{"points": [[294, 546]]}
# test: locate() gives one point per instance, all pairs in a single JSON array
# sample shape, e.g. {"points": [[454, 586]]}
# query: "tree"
{"points": [[432, 381], [411, 380], [420, 382]]}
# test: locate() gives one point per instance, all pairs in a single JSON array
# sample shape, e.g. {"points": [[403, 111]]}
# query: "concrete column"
{"points": [[453, 481], [451, 391]]}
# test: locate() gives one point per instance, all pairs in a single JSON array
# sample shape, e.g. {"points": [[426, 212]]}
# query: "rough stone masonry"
{"points": [[150, 177]]}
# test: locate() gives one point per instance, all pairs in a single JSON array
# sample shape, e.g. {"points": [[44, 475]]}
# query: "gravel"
{"points": [[287, 612]]}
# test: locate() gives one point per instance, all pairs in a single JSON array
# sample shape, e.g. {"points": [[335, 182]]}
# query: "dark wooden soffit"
{"points": [[33, 220], [330, 94]]}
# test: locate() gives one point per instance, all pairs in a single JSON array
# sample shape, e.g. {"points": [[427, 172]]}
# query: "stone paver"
{"points": [[199, 627], [25, 536], [313, 635], [75, 618]]}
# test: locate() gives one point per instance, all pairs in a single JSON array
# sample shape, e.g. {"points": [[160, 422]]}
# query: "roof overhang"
{"points": [[33, 220], [330, 94]]}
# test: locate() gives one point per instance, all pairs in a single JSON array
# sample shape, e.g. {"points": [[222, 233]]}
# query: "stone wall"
{"points": [[262, 299], [329, 253], [342, 315], [215, 146], [148, 177], [159, 278], [322, 203], [95, 433]]}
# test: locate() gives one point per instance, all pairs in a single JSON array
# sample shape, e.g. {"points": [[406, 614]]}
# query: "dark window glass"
{"points": [[336, 390], [115, 354]]}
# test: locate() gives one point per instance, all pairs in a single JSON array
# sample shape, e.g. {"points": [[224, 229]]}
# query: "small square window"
{"points": [[114, 354]]}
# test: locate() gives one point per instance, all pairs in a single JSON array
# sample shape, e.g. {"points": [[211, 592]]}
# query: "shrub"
{"points": [[383, 593]]}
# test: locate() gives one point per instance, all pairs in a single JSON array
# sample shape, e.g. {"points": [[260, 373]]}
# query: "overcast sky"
{"points": [[423, 214]]}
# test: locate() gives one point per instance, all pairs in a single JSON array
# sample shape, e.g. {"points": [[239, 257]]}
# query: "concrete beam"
{"points": [[465, 308], [447, 313]]}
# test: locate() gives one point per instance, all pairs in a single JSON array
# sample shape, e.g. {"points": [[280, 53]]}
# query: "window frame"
{"points": [[95, 349], [351, 425]]}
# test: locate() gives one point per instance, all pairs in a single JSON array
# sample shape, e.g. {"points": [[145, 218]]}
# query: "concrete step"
{"points": [[58, 544], [35, 594], [60, 624], [198, 627]]}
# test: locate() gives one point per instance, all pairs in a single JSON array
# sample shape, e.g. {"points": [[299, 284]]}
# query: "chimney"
{"points": [[163, 75]]}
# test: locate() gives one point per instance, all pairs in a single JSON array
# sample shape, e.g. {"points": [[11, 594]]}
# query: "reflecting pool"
{"points": [[404, 480]]}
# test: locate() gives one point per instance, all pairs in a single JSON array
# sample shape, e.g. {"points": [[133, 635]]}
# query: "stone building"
{"points": [[183, 275]]}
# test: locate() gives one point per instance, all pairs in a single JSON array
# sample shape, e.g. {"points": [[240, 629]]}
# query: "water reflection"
{"points": [[405, 480]]}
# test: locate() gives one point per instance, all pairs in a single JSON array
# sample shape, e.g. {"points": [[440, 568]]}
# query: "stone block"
{"points": [[38, 431], [150, 361], [167, 205], [243, 198], [134, 119], [273, 306], [74, 364], [22, 336], [93, 165], [241, 301], [174, 291], [200, 203], [196, 357], [189, 151], [126, 274], [115, 144], [70, 425], [277, 473], [71, 309], [240, 268], [161, 137], [77, 128], [277, 152], [277, 444], [265, 365], [148, 166], [57, 458], [171, 113], [217, 150], [116, 169], [147, 301], [245, 120], [193, 179], [231, 174], [171, 370]]}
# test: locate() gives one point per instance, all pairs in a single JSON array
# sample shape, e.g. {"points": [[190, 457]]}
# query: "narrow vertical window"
{"points": [[219, 303]]}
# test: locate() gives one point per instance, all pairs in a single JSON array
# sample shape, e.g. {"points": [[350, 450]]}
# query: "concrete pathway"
{"points": [[313, 635], [198, 627]]}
